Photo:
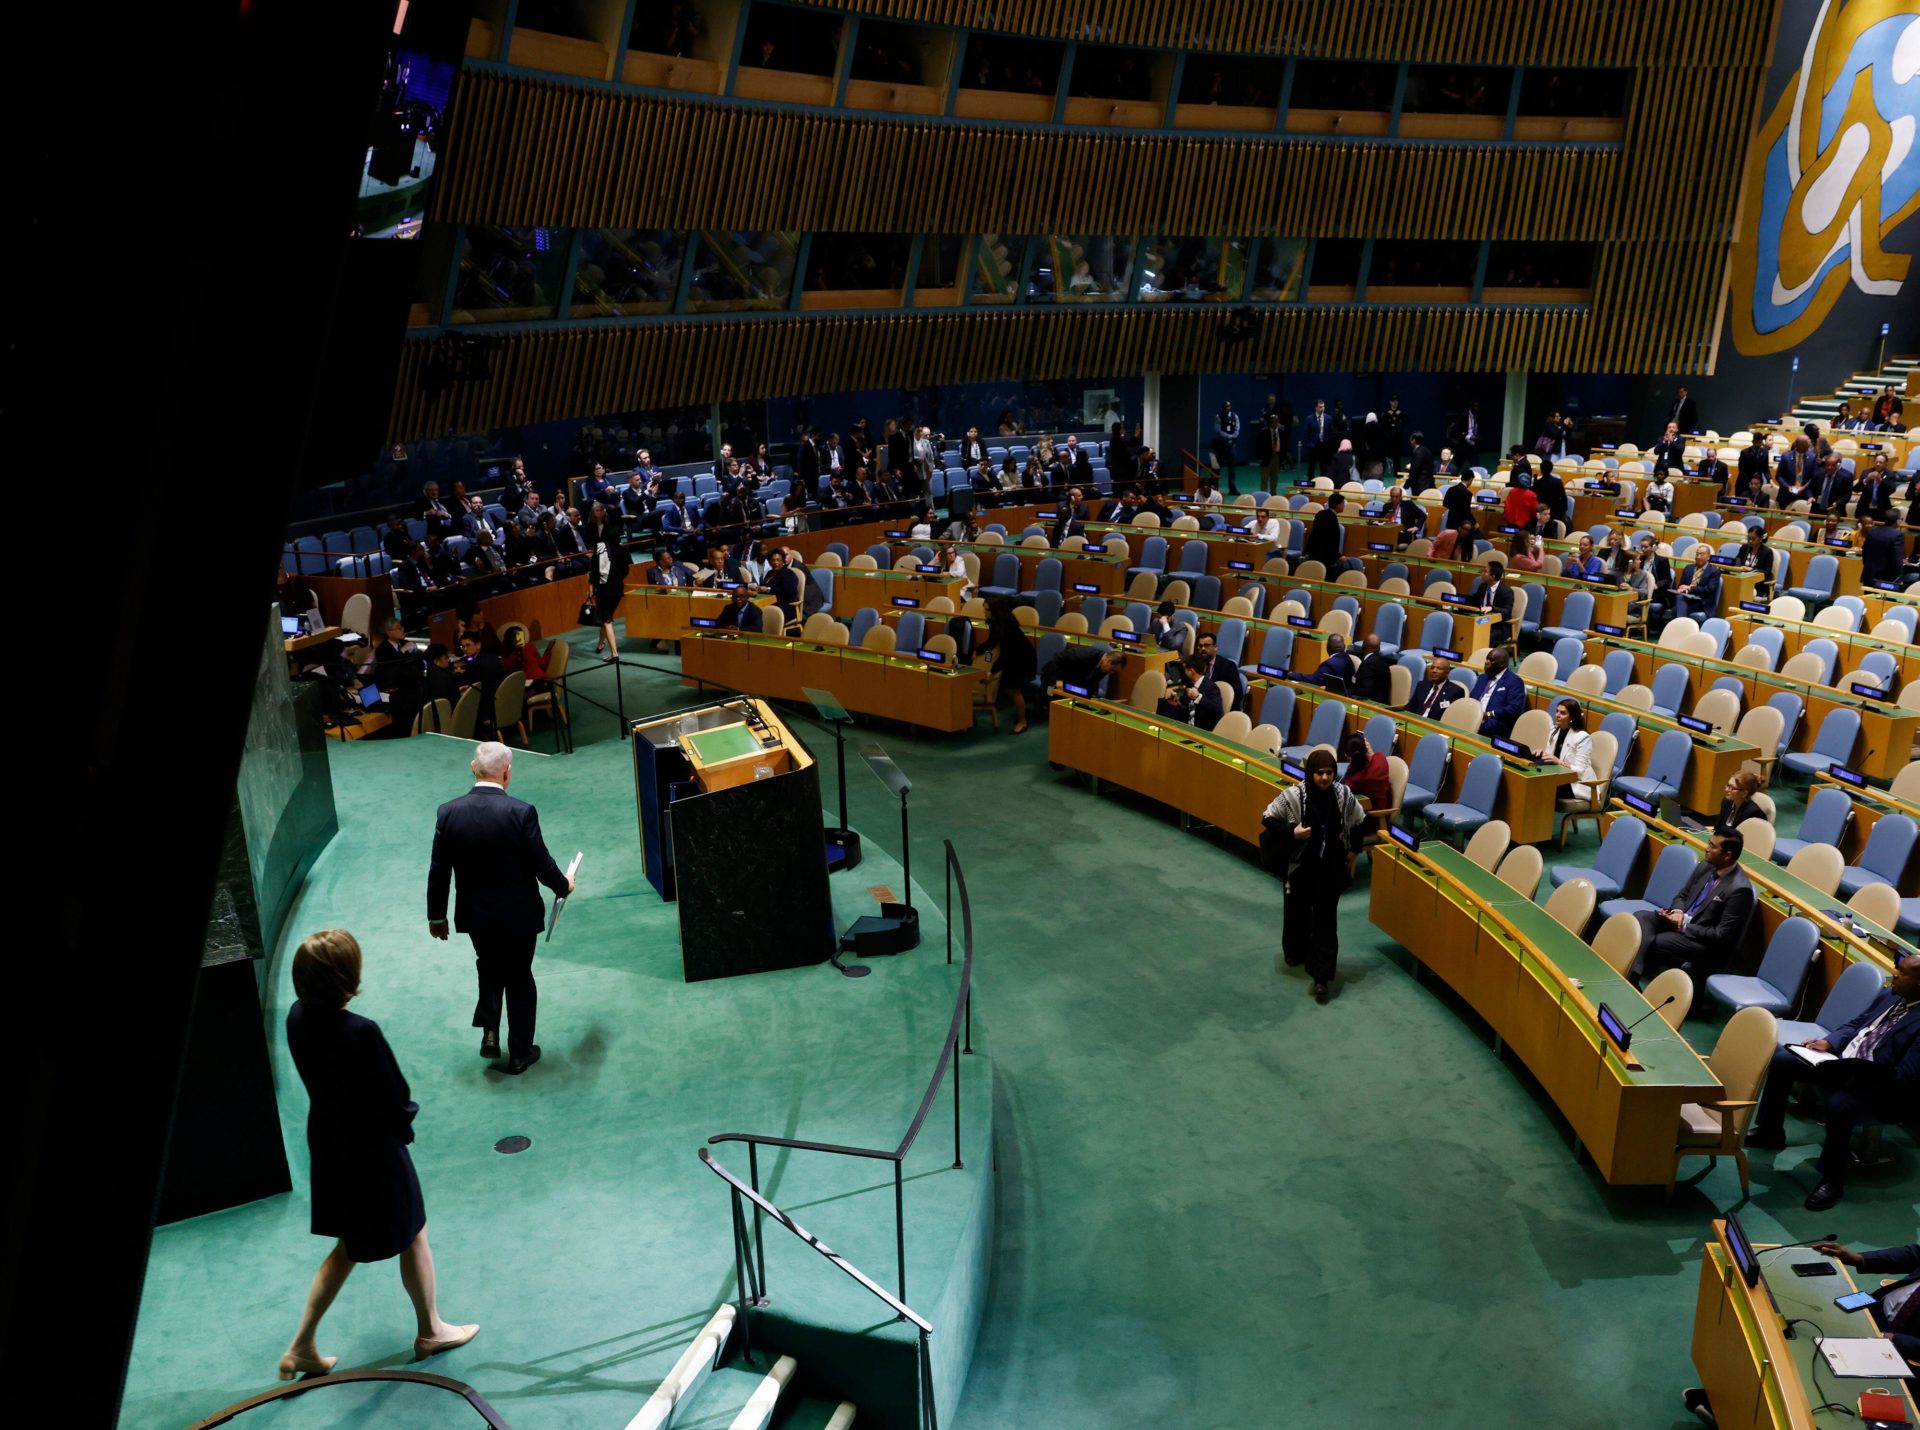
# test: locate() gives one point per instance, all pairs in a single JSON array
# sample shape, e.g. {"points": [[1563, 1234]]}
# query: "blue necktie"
{"points": [[1700, 898]]}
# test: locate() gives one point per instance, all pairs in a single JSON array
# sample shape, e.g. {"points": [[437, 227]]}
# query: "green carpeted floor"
{"points": [[1220, 1204]]}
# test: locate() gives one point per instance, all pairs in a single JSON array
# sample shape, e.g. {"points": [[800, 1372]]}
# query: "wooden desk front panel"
{"points": [[855, 589], [664, 613], [555, 605], [1229, 796], [1853, 645], [779, 670]]}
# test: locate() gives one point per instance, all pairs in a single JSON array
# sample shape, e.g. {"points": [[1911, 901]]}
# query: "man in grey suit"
{"points": [[1702, 929], [491, 844]]}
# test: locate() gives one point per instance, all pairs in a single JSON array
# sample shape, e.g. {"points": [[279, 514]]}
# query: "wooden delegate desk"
{"points": [[902, 688], [297, 644], [554, 605], [1869, 807], [1528, 790], [1222, 546], [882, 589], [1140, 658], [1227, 785], [1754, 1375], [1886, 731], [1538, 986], [1472, 632], [1781, 895], [1716, 758], [665, 613], [1092, 567], [1853, 645]]}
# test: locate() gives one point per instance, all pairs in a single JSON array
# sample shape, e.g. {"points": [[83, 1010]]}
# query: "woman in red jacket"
{"points": [[1367, 774]]}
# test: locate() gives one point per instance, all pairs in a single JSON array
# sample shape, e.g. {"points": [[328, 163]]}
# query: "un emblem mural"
{"points": [[1834, 172]]}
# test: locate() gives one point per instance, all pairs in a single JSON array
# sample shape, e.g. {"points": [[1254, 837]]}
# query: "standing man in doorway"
{"points": [[491, 844]]}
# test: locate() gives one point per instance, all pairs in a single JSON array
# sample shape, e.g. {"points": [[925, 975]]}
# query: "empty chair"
{"points": [[1672, 993], [1884, 860], [1790, 608], [1479, 790], [910, 631], [1389, 623], [1426, 771], [1276, 648], [1381, 734], [1719, 708], [1783, 969], [1153, 558], [1206, 592], [1617, 941], [1670, 690], [1877, 903], [1818, 865], [1436, 632], [1791, 708], [1231, 638], [1772, 640], [864, 620], [1613, 865], [1046, 606], [1670, 874], [1758, 837], [1666, 768], [1721, 632], [1006, 577], [1587, 680], [1825, 822], [1147, 690], [1094, 608], [1276, 708], [1489, 844], [1838, 618], [1568, 652], [1883, 664], [1571, 905], [1539, 667], [1235, 725], [1329, 723], [1828, 653], [1046, 575], [1532, 609], [1635, 697], [1856, 987], [1817, 589], [880, 638], [1832, 744], [1618, 665], [1520, 870], [1576, 619], [1718, 1129], [1906, 784]]}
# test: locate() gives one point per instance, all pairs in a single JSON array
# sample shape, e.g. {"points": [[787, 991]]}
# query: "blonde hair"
{"points": [[326, 968]]}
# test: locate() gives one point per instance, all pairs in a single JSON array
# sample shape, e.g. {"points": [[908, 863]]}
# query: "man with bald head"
{"points": [[488, 845]]}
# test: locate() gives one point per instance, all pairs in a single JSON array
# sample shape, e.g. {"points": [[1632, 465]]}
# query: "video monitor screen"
{"points": [[403, 136]]}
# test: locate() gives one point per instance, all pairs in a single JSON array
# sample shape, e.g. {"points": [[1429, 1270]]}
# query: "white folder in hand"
{"points": [[553, 919]]}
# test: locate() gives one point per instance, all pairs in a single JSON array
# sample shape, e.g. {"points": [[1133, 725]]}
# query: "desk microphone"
{"points": [[1671, 997], [1790, 1245]]}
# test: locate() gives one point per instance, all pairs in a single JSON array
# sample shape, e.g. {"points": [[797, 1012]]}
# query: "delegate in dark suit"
{"points": [[1502, 696], [1494, 595], [1877, 1075], [1431, 698], [1883, 554], [488, 844], [1715, 905]]}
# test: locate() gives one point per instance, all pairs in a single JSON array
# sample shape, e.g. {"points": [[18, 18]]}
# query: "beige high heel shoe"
{"points": [[293, 1366]]}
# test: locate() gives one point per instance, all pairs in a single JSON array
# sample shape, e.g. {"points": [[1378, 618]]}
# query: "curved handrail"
{"points": [[351, 1377], [960, 1005]]}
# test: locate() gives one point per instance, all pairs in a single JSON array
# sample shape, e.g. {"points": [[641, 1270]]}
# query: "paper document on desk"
{"points": [[1868, 1357], [1812, 1058], [553, 919]]}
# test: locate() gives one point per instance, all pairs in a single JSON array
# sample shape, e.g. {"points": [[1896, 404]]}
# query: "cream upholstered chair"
{"points": [[863, 562], [815, 628], [1754, 657], [1532, 730], [1637, 697], [1186, 523], [1419, 547], [1790, 608], [546, 699], [1276, 566], [974, 608], [1464, 714], [1834, 618], [1146, 518], [357, 614], [1588, 680], [1677, 984], [1606, 749], [994, 538], [1311, 571], [1337, 623], [828, 559], [879, 637], [1807, 665], [1852, 678], [1351, 578], [1706, 644], [1520, 870], [1906, 784], [942, 644], [1235, 725], [1237, 606], [1072, 622], [1720, 708], [986, 696], [1678, 629], [1399, 686], [1489, 844], [1439, 589], [1145, 586], [466, 715], [1027, 617], [1267, 739], [1738, 1061], [1758, 836], [1618, 942], [1074, 543], [1148, 690], [1178, 592], [510, 706], [1116, 545], [1115, 623], [1761, 727], [1878, 902], [909, 561], [1036, 541], [1819, 865], [438, 715], [1891, 631], [1286, 609], [1228, 694], [1767, 806], [1910, 696], [1540, 668], [1395, 586], [939, 605], [1571, 905]]}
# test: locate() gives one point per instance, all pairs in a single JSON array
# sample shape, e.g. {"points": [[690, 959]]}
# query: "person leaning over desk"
{"points": [[1874, 1072], [1902, 1322], [1308, 831]]}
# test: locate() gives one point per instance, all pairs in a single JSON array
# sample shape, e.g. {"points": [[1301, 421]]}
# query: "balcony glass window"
{"points": [[1079, 268], [742, 271], [627, 271], [1192, 270], [509, 275]]}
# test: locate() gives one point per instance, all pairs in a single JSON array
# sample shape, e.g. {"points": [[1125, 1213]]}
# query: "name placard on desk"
{"points": [[1086, 588], [1847, 776], [1452, 598], [932, 657], [705, 623], [1507, 528], [1722, 560], [1402, 836], [1510, 747], [1626, 512], [896, 535], [1273, 672], [925, 570], [906, 601], [1759, 608], [1292, 771], [1634, 801], [1300, 622], [1488, 499], [1446, 654], [1693, 723], [1125, 637], [1734, 501], [1869, 692], [1839, 541], [1379, 546], [1888, 586], [1239, 566], [1080, 690], [1045, 515], [1607, 630], [1611, 1025]]}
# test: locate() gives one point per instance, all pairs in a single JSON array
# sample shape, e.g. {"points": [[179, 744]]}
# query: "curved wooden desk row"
{"points": [[1869, 807], [1538, 986], [1783, 896], [1887, 732], [1141, 659], [896, 687], [1716, 758], [1796, 635], [1752, 1373]]}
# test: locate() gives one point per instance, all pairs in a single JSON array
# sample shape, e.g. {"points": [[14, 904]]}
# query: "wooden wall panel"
{"points": [[557, 373]]}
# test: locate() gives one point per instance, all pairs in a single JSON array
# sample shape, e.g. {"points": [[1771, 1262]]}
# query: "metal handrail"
{"points": [[351, 1377]]}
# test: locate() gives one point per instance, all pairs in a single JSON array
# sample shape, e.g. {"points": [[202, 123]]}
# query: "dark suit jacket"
{"points": [[1373, 679], [1719, 925], [1898, 1050], [1714, 470], [489, 842], [1883, 554], [745, 618], [1835, 497], [1502, 699], [1323, 537], [1669, 454], [1705, 581], [1753, 459], [1449, 691], [1686, 414], [806, 464], [1502, 598], [1419, 470]]}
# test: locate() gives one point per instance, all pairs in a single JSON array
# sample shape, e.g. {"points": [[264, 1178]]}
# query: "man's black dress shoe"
{"points": [[1321, 993], [490, 1044], [519, 1065], [1824, 1196], [1766, 1141]]}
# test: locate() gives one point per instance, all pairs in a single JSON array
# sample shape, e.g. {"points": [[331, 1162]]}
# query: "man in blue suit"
{"points": [[1697, 592], [1875, 1073], [1502, 696], [490, 844]]}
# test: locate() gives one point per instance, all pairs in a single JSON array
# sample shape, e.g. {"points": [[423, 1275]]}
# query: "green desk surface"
{"points": [[725, 742], [1645, 719], [1665, 1057], [1761, 677], [1810, 1299], [1460, 739], [900, 659]]}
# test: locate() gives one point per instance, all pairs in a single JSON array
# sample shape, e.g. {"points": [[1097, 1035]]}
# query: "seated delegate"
{"points": [[1701, 930]]}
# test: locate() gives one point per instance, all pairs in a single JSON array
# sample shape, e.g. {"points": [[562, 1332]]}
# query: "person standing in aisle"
{"points": [[1310, 829], [1226, 436]]}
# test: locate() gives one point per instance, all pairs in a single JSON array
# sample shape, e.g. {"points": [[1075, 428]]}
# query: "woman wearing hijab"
{"points": [[1311, 828], [1341, 468]]}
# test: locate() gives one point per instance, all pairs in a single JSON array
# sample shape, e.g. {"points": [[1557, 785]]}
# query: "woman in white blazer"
{"points": [[1572, 747]]}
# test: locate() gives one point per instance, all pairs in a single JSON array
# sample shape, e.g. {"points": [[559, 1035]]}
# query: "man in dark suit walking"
{"points": [[491, 844], [1875, 1073], [1702, 929]]}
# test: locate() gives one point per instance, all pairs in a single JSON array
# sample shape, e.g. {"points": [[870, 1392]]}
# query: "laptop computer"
{"points": [[370, 696]]}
